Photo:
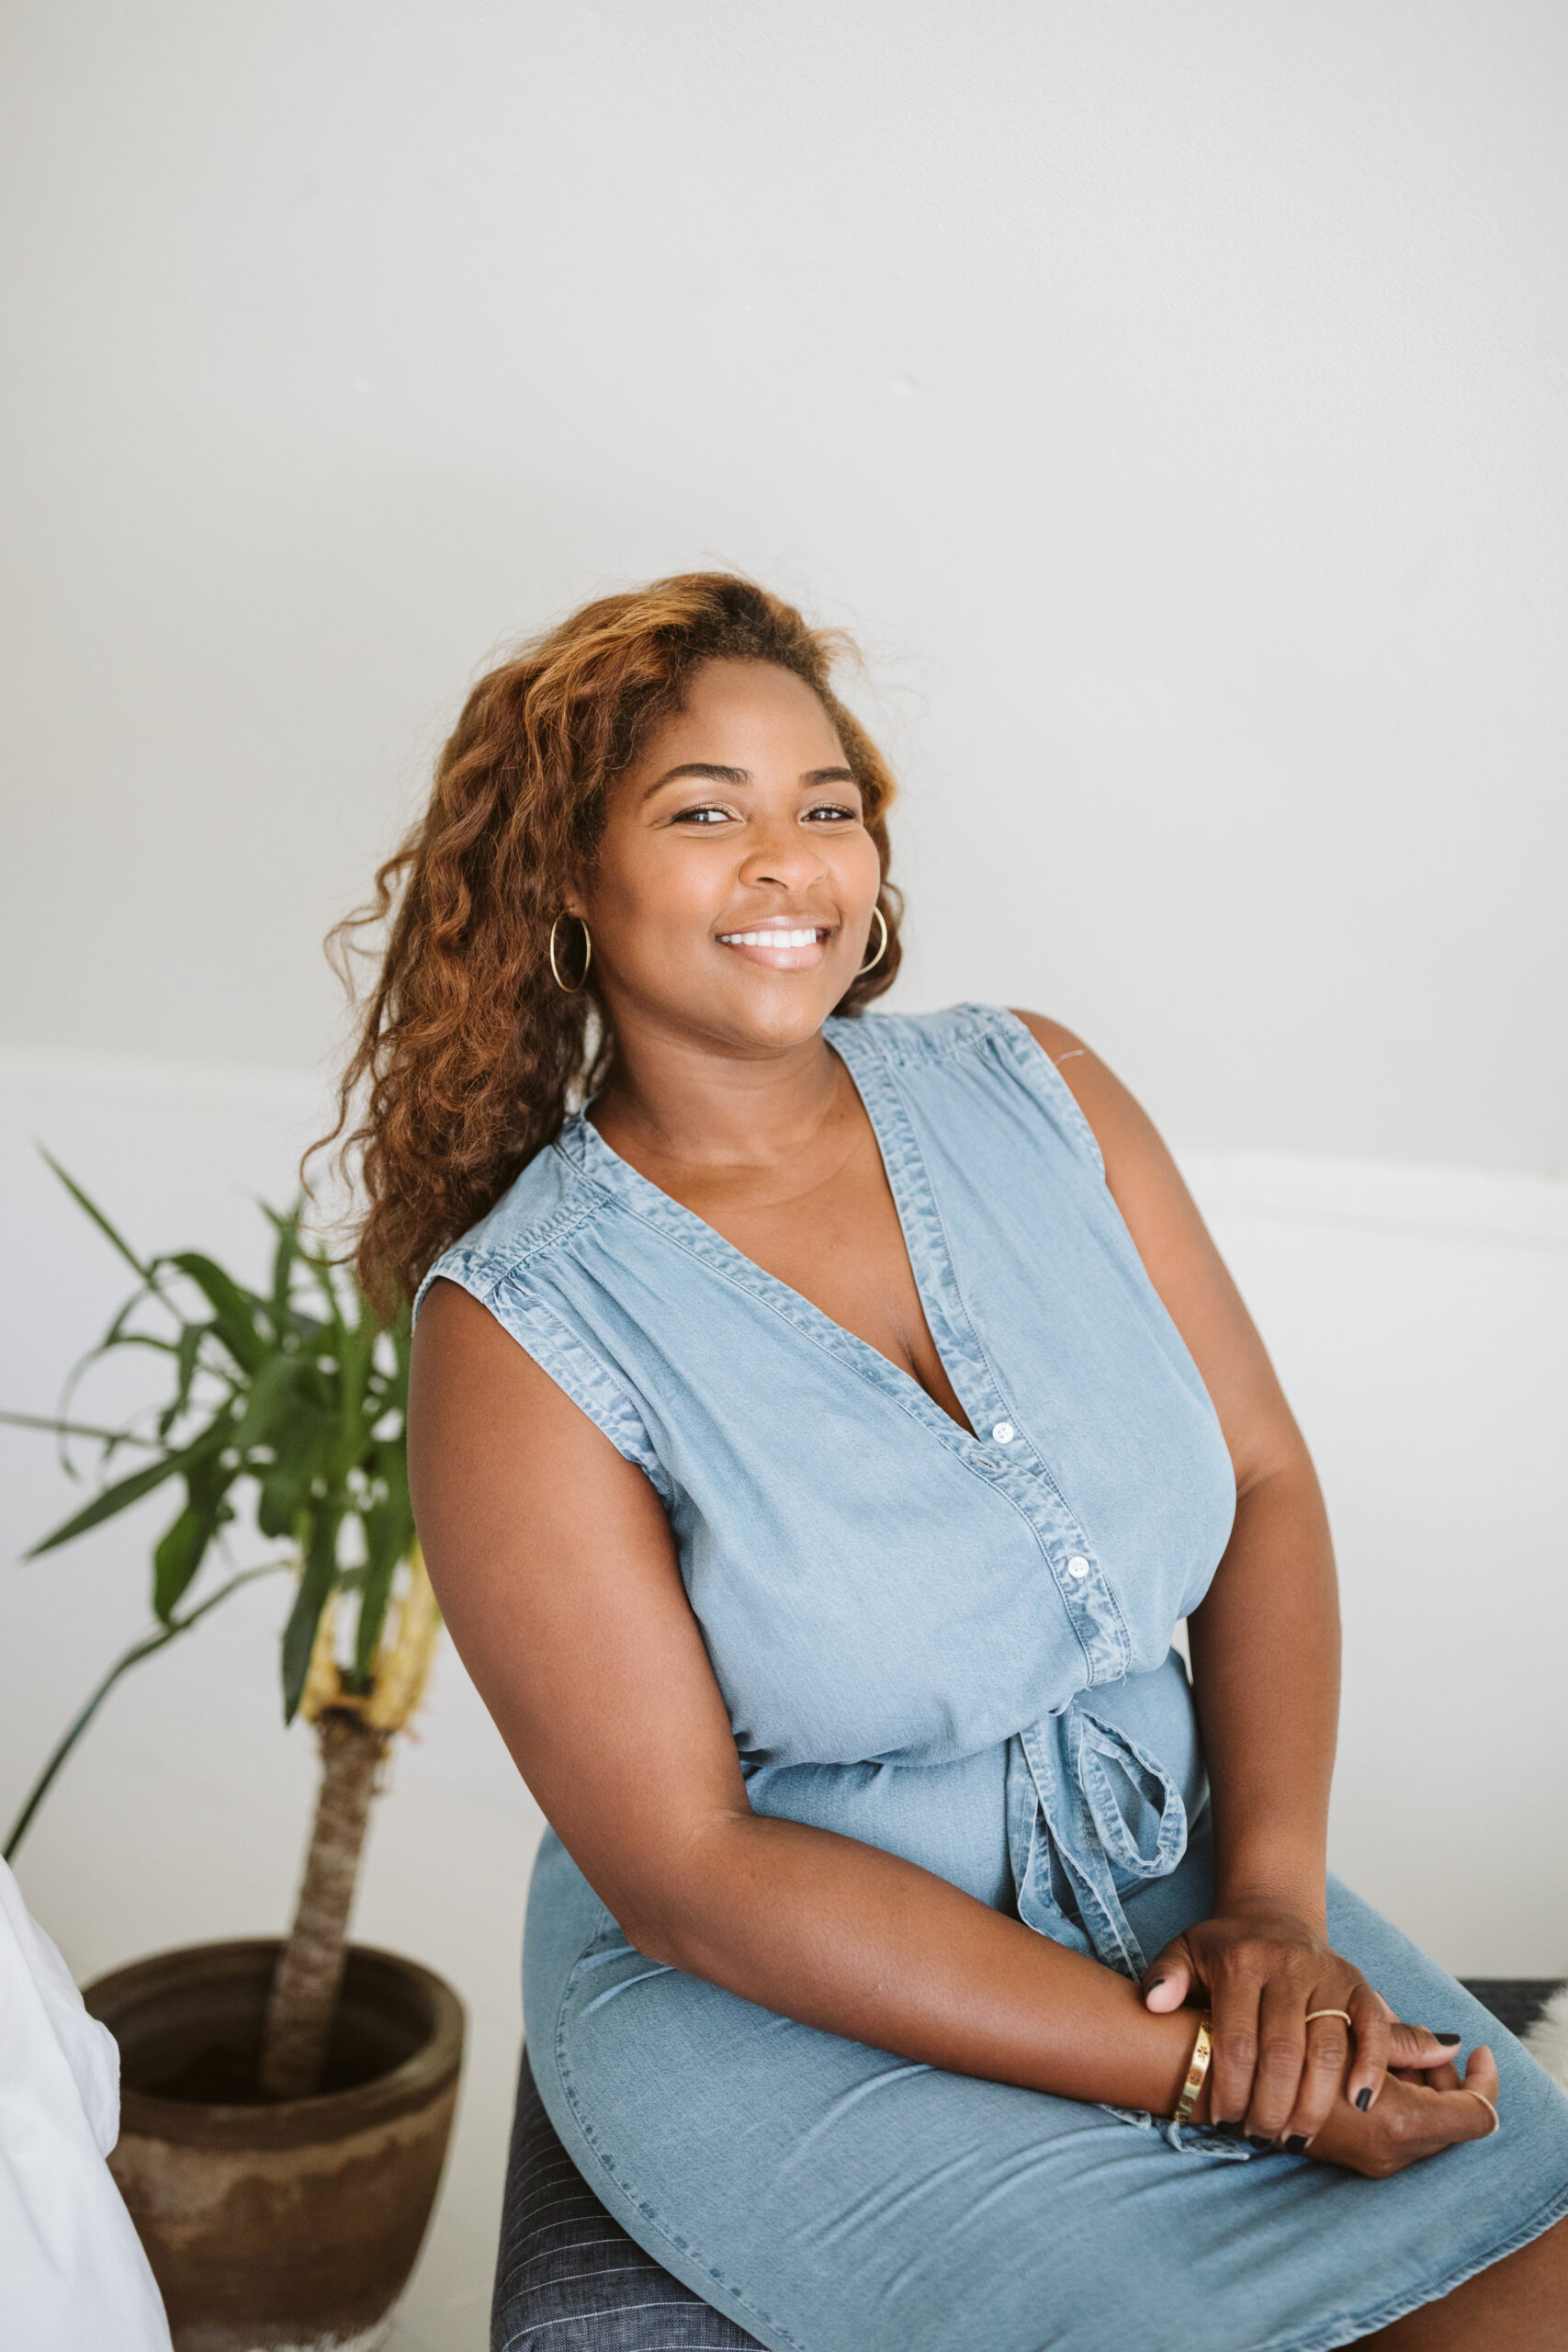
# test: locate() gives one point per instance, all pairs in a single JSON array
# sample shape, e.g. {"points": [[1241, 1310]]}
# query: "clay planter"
{"points": [[279, 2226]]}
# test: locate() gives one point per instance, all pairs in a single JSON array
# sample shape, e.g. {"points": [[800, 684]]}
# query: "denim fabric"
{"points": [[953, 1643], [831, 2198]]}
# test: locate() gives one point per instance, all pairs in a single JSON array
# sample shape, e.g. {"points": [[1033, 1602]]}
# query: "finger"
{"points": [[1322, 2073], [1373, 2034], [1481, 2075], [1232, 2004], [1416, 2045], [1168, 1980], [1465, 2118], [1454, 2117], [1281, 2053], [1438, 2078]]}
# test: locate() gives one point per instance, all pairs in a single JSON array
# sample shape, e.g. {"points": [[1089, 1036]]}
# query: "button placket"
{"points": [[1090, 1605]]}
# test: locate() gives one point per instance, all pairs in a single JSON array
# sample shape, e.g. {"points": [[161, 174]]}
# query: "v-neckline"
{"points": [[910, 1185]]}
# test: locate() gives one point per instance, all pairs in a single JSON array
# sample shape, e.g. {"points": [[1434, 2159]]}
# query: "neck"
{"points": [[684, 1101]]}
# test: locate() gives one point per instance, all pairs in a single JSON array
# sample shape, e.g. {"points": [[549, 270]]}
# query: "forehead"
{"points": [[745, 714]]}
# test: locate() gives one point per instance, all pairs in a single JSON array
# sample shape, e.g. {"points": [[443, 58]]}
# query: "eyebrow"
{"points": [[715, 775]]}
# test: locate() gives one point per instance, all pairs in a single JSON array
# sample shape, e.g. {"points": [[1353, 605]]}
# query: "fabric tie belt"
{"points": [[1087, 1807]]}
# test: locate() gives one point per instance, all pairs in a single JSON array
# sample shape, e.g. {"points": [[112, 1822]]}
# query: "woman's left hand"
{"points": [[1263, 1970]]}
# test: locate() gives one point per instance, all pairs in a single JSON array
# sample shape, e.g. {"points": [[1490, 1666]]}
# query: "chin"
{"points": [[776, 1016]]}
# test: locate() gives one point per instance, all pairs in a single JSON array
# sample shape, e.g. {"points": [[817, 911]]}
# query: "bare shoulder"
{"points": [[484, 1418], [1178, 1253], [1121, 1128]]}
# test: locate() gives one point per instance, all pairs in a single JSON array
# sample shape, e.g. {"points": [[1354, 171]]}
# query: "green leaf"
{"points": [[389, 1538], [285, 1257], [187, 1352], [147, 1273], [105, 1506], [270, 1394], [304, 1449], [354, 1364], [180, 1554], [234, 1309], [177, 1558], [74, 1428], [305, 1617]]}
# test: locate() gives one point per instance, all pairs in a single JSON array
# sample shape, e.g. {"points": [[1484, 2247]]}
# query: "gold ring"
{"points": [[1496, 2118], [1335, 2013]]}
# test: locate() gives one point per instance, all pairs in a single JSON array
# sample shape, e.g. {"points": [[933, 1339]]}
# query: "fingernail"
{"points": [[1364, 2099], [1449, 2041], [1296, 2144], [1257, 2140], [1230, 2131]]}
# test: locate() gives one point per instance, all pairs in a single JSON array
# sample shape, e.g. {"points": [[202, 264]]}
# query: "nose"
{"points": [[783, 851]]}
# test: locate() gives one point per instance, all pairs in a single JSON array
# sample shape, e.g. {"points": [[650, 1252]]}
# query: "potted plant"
{"points": [[285, 2105]]}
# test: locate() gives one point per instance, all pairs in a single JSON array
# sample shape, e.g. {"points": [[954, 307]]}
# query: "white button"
{"points": [[1077, 1568], [1004, 1432]]}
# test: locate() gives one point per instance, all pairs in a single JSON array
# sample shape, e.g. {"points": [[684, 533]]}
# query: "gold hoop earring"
{"points": [[882, 951], [587, 954]]}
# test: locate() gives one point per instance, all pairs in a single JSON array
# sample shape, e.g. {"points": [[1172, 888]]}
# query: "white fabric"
{"points": [[73, 2273], [1547, 2040]]}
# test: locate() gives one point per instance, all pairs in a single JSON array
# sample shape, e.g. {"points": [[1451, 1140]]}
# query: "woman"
{"points": [[817, 1436]]}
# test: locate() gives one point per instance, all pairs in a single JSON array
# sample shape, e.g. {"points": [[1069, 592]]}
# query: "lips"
{"points": [[775, 935], [781, 946]]}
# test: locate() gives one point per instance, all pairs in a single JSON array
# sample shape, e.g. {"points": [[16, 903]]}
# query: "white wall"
{"points": [[1172, 395]]}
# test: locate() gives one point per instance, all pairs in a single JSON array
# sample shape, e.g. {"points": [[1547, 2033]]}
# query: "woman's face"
{"points": [[732, 895]]}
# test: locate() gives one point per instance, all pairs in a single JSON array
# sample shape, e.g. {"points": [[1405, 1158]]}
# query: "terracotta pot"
{"points": [[289, 2227]]}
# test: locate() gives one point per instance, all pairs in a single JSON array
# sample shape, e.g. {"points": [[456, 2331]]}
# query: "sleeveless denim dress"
{"points": [[956, 1647]]}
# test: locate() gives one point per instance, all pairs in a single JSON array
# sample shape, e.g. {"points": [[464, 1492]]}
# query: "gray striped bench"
{"points": [[568, 2278]]}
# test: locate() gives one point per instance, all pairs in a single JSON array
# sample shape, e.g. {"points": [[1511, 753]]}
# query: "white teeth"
{"points": [[770, 938]]}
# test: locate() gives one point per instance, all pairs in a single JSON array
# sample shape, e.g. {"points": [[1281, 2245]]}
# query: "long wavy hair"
{"points": [[467, 1057]]}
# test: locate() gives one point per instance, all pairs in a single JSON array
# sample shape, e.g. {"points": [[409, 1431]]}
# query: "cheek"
{"points": [[658, 900], [857, 864]]}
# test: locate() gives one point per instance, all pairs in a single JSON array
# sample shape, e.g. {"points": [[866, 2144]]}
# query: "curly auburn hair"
{"points": [[468, 1055]]}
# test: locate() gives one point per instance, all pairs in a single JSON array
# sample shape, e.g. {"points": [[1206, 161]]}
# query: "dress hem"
{"points": [[1324, 2338], [1554, 2211]]}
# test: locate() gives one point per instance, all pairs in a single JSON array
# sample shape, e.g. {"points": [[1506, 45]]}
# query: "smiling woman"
{"points": [[472, 1053], [767, 858], [818, 1426]]}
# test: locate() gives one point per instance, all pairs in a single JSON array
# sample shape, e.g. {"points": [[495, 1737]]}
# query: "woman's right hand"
{"points": [[1413, 2115]]}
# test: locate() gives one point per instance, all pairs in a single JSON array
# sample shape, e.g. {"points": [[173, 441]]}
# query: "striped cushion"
{"points": [[568, 2278]]}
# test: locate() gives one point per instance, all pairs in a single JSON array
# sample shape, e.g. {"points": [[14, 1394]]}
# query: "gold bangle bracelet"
{"points": [[1197, 2070]]}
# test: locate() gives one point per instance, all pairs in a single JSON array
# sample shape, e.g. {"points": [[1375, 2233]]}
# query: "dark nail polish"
{"points": [[1296, 2144], [1256, 2139], [1364, 2099], [1228, 2130], [1449, 2041]]}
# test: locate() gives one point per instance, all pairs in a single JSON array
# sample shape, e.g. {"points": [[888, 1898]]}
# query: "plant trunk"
{"points": [[310, 1968]]}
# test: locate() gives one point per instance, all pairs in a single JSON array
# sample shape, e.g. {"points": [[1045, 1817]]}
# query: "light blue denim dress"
{"points": [[957, 1647]]}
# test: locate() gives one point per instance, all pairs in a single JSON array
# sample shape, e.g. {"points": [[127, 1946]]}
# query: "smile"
{"points": [[775, 935]]}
